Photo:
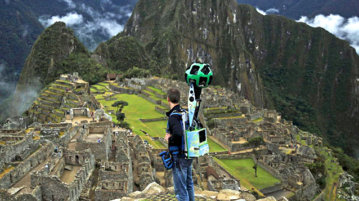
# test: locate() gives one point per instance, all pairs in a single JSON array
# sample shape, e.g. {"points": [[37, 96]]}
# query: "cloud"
{"points": [[261, 11], [268, 11], [111, 27], [346, 29], [272, 11], [93, 25], [70, 3], [6, 86], [70, 19]]}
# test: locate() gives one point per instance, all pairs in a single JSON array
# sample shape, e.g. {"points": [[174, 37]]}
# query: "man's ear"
{"points": [[168, 99]]}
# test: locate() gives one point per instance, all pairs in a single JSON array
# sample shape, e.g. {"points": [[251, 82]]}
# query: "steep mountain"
{"points": [[56, 51], [21, 22], [297, 8], [306, 73], [123, 53]]}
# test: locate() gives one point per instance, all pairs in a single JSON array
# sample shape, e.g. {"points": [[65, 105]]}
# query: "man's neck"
{"points": [[172, 105]]}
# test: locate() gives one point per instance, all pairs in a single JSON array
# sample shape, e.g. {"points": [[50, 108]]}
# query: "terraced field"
{"points": [[243, 170]]}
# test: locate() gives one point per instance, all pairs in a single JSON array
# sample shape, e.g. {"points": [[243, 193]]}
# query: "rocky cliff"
{"points": [[307, 74]]}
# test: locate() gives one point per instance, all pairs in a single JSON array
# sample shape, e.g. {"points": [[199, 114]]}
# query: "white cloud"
{"points": [[70, 19], [70, 3], [347, 29], [5, 86], [111, 27], [261, 11], [272, 11], [268, 11], [330, 22], [91, 25]]}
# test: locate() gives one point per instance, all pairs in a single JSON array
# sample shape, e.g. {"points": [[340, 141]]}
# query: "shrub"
{"points": [[120, 116]]}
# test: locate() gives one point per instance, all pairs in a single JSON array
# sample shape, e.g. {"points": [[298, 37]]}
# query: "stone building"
{"points": [[114, 180], [98, 138], [65, 178], [142, 168]]}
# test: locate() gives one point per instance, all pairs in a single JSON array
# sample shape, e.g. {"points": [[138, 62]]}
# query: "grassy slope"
{"points": [[243, 170], [214, 147], [138, 108], [333, 172]]}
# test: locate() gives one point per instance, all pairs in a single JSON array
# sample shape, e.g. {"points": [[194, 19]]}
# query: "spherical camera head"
{"points": [[199, 74]]}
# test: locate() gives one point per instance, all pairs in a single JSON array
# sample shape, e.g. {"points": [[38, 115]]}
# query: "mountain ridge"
{"points": [[313, 82]]}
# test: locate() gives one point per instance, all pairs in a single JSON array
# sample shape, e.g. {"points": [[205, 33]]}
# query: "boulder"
{"points": [[136, 194], [270, 198], [207, 194], [247, 196], [153, 189], [171, 190], [227, 194]]}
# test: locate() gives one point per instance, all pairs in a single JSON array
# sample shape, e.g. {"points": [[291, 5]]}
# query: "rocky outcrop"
{"points": [[154, 191]]}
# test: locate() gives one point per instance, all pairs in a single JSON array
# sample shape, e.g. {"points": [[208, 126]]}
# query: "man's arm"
{"points": [[167, 137]]}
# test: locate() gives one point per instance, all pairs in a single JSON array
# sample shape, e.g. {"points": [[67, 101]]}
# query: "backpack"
{"points": [[194, 142]]}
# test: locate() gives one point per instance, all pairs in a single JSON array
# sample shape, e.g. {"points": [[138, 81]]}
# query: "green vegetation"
{"points": [[123, 53], [159, 91], [156, 128], [332, 173], [243, 170], [136, 72], [99, 88], [138, 108], [215, 147], [154, 97], [256, 141], [348, 163], [260, 119]]}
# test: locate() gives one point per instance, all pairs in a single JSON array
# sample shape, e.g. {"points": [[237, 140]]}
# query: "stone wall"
{"points": [[54, 189], [146, 97], [103, 148], [79, 112], [19, 148], [25, 166], [34, 195], [77, 157], [123, 90], [154, 119], [160, 110]]}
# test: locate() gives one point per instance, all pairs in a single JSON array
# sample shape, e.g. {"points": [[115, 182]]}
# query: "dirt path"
{"points": [[73, 141], [69, 175]]}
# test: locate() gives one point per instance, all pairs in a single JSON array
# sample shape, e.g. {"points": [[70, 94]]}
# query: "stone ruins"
{"points": [[69, 149]]}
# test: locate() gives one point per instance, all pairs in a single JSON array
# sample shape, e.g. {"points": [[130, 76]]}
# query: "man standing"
{"points": [[182, 167]]}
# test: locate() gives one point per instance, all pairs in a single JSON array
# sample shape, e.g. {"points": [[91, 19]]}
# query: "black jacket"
{"points": [[175, 127]]}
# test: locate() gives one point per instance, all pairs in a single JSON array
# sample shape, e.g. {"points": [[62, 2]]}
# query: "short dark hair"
{"points": [[174, 95]]}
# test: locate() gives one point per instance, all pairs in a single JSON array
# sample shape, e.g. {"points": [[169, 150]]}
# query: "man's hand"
{"points": [[167, 136]]}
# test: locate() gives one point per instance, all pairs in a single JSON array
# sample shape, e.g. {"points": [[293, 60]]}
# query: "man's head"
{"points": [[173, 96]]}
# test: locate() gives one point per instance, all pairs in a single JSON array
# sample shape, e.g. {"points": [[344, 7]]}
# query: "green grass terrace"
{"points": [[242, 169], [139, 108]]}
